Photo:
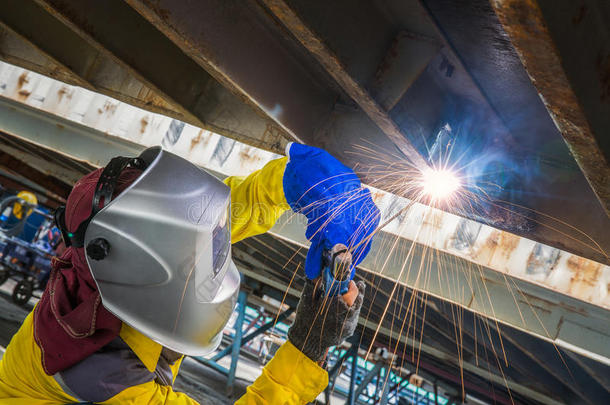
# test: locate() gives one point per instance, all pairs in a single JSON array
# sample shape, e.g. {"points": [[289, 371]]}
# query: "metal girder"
{"points": [[48, 182], [406, 60], [139, 66], [11, 181], [302, 103], [48, 46], [573, 80], [335, 68], [17, 51], [246, 58], [297, 85]]}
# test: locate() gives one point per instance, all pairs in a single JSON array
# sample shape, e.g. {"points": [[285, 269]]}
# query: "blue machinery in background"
{"points": [[367, 382]]}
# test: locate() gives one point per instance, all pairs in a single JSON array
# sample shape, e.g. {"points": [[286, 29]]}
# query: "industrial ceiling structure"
{"points": [[515, 299]]}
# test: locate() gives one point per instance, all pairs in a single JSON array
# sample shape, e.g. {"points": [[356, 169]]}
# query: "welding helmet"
{"points": [[160, 250]]}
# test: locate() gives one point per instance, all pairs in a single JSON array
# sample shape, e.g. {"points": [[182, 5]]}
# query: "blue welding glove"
{"points": [[337, 207]]}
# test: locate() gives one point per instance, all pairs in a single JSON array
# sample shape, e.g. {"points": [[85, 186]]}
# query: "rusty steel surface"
{"points": [[566, 210], [334, 67], [249, 60], [525, 23], [408, 56]]}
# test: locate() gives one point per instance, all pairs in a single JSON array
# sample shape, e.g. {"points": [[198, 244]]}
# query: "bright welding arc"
{"points": [[439, 184]]}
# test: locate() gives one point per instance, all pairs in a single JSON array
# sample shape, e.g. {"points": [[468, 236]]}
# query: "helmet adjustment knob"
{"points": [[98, 249]]}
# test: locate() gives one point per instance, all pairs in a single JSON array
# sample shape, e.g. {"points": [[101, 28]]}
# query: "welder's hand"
{"points": [[337, 207], [322, 322]]}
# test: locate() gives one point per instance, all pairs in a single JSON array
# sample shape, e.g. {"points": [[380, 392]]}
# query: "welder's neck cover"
{"points": [[168, 272]]}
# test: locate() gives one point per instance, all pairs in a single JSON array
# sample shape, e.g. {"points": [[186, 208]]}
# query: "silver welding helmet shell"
{"points": [[168, 271]]}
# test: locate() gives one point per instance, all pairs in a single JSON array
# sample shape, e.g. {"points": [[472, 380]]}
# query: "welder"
{"points": [[148, 277]]}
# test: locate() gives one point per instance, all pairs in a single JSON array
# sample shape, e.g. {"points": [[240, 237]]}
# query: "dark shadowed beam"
{"points": [[573, 78], [15, 183], [35, 40], [44, 180], [335, 68]]}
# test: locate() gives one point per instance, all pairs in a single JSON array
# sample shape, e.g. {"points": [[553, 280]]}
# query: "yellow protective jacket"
{"points": [[146, 371]]}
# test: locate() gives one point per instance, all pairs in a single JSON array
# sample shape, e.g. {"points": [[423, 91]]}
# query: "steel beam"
{"points": [[242, 300], [55, 50], [572, 79], [368, 378], [335, 68], [11, 181], [259, 330], [228, 40], [139, 66], [50, 183], [407, 58], [15, 50], [351, 396]]}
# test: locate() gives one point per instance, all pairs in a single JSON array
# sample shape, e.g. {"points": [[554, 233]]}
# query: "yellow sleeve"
{"points": [[257, 201], [22, 378], [150, 393], [289, 378]]}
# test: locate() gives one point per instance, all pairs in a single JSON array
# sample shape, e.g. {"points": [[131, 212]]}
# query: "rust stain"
{"points": [[245, 155], [502, 243], [23, 80], [60, 126], [196, 140], [163, 13], [108, 108], [585, 275], [63, 91], [143, 124], [523, 21], [603, 70], [582, 12], [434, 219]]}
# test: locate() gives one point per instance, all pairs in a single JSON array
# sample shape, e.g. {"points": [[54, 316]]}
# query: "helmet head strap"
{"points": [[102, 196]]}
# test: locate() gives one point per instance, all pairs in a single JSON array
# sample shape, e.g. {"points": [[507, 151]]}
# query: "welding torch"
{"points": [[336, 273]]}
